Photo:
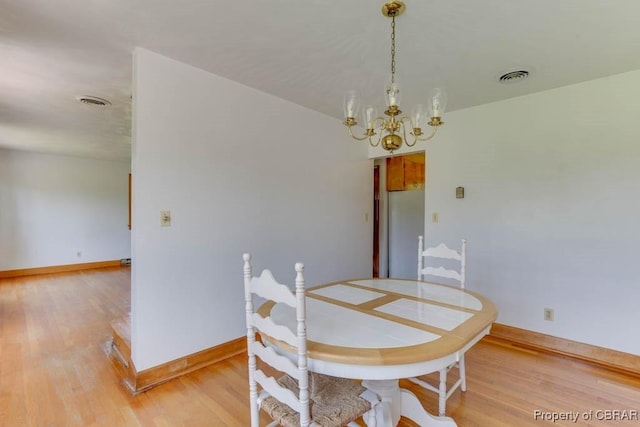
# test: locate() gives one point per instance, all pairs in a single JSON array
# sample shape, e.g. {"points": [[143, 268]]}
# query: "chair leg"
{"points": [[463, 376], [442, 393], [370, 418], [255, 405]]}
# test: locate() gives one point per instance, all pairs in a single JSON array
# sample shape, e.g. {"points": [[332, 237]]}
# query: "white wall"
{"points": [[240, 171], [551, 207], [52, 207]]}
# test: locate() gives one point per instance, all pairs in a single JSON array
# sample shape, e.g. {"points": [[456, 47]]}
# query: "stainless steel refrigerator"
{"points": [[406, 223]]}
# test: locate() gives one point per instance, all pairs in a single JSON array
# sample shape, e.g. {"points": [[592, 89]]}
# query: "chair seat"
{"points": [[334, 401]]}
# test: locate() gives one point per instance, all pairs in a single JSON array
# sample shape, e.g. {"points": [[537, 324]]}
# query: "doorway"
{"points": [[399, 214]]}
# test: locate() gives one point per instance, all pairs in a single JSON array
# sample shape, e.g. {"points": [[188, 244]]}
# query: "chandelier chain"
{"points": [[393, 49]]}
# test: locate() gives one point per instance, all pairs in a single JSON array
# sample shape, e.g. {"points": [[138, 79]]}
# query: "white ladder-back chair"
{"points": [[297, 398], [442, 251], [427, 258]]}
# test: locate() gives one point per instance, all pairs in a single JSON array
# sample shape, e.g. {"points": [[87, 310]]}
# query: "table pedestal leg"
{"points": [[413, 409], [398, 402], [389, 392]]}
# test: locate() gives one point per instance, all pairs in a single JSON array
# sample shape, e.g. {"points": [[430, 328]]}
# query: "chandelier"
{"points": [[391, 127]]}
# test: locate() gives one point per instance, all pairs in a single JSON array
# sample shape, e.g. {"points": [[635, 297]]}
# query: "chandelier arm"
{"points": [[404, 132], [375, 144], [358, 138], [434, 129], [378, 123]]}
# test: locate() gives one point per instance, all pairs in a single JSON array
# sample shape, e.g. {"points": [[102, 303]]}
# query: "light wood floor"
{"points": [[54, 370]]}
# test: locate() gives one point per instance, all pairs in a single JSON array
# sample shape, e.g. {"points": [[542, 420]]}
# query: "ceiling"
{"points": [[308, 52]]}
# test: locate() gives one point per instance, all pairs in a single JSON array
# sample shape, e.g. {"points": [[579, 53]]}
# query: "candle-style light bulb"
{"points": [[369, 115], [438, 102], [392, 93], [351, 104], [419, 116]]}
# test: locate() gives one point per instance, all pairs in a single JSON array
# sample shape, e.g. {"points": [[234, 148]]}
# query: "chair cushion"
{"points": [[334, 401]]}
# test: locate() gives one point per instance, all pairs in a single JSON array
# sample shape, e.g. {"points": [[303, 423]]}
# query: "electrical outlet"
{"points": [[79, 254], [548, 314]]}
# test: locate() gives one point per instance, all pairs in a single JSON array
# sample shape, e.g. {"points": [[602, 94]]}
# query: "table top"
{"points": [[386, 322]]}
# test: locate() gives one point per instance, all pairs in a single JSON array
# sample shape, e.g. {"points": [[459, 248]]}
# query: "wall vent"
{"points": [[513, 76], [94, 101]]}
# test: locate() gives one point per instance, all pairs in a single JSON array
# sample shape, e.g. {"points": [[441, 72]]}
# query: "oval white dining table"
{"points": [[381, 330]]}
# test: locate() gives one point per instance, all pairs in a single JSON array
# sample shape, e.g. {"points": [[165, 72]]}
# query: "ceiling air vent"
{"points": [[94, 101], [514, 76]]}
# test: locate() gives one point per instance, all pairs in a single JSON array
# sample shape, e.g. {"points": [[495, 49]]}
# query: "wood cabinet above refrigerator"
{"points": [[405, 172]]}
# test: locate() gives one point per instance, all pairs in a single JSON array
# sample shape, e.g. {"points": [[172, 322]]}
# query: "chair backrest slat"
{"points": [[441, 272], [277, 361], [268, 288], [274, 330], [276, 390], [442, 251]]}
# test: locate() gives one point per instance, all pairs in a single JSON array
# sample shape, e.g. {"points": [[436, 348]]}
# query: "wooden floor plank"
{"points": [[54, 370]]}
